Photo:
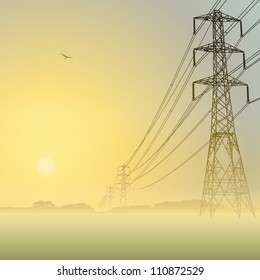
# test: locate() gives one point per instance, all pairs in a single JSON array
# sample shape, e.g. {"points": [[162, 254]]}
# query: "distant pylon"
{"points": [[123, 172], [116, 195], [103, 203], [110, 195], [106, 202], [225, 178]]}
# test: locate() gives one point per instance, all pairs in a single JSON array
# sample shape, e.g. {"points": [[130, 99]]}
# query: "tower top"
{"points": [[217, 15]]}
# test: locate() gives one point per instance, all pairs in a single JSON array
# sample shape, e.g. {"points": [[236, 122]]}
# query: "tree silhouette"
{"points": [[43, 204]]}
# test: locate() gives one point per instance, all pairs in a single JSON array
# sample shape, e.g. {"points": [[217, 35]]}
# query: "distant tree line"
{"points": [[48, 205]]}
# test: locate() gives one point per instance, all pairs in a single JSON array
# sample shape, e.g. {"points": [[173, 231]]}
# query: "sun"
{"points": [[46, 166]]}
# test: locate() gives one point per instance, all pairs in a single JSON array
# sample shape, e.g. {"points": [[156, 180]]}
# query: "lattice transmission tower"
{"points": [[116, 194], [225, 179], [122, 183], [106, 202]]}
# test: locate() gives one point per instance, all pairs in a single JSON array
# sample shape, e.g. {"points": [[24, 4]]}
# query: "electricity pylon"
{"points": [[123, 183], [116, 195], [106, 202], [225, 178]]}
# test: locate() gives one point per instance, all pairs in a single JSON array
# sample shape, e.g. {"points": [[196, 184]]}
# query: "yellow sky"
{"points": [[89, 113]]}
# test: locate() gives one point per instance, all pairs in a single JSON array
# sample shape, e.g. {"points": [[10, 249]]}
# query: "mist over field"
{"points": [[54, 235]]}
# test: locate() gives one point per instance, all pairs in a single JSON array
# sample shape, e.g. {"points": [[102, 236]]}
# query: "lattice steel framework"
{"points": [[107, 199], [123, 183], [225, 178], [116, 195]]}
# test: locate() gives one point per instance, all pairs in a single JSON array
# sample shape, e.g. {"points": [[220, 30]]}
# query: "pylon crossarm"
{"points": [[228, 18], [235, 82], [208, 81], [227, 48], [216, 15], [199, 96], [231, 49]]}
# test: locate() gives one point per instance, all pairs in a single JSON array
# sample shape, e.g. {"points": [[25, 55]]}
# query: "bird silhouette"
{"points": [[65, 56]]}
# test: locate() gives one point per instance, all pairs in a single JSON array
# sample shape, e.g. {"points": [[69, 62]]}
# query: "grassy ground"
{"points": [[128, 236]]}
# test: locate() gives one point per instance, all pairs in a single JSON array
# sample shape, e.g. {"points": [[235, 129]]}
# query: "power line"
{"points": [[174, 103], [187, 160], [202, 147], [250, 9], [254, 55], [242, 15], [219, 123], [156, 153], [165, 120], [252, 27], [162, 107], [167, 99], [175, 169], [248, 31], [175, 148], [222, 5], [180, 122]]}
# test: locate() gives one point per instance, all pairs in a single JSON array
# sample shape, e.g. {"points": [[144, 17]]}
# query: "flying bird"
{"points": [[65, 56]]}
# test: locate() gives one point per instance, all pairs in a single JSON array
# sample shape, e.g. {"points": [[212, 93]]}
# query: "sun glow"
{"points": [[46, 166]]}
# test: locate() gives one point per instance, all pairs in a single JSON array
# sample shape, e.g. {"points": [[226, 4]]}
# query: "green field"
{"points": [[128, 236]]}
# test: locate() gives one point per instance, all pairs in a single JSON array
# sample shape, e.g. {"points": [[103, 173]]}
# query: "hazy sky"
{"points": [[67, 124]]}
